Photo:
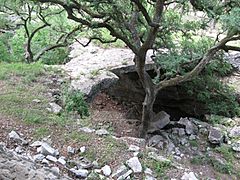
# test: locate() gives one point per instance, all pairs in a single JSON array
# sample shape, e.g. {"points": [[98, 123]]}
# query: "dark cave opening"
{"points": [[173, 100]]}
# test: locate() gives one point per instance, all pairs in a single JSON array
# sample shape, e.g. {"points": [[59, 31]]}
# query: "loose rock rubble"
{"points": [[13, 166], [176, 141]]}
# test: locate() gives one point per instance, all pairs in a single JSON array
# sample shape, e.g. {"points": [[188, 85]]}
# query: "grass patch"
{"points": [[159, 167], [193, 143], [226, 168], [200, 160], [79, 136], [90, 154], [222, 167], [17, 96], [226, 151], [29, 72], [110, 148], [41, 132]]}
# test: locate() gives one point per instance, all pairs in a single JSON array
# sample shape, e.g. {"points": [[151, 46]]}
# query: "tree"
{"points": [[34, 18], [156, 24]]}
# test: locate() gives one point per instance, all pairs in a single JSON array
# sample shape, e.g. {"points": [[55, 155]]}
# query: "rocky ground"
{"points": [[40, 141]]}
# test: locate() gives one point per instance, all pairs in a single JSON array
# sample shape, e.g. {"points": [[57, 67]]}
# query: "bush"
{"points": [[219, 98], [74, 101]]}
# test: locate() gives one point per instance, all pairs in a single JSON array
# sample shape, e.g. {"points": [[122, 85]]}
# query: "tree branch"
{"points": [[94, 24], [230, 48], [200, 66], [96, 38], [144, 13]]}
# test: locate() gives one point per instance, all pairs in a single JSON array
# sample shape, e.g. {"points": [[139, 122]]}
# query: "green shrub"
{"points": [[74, 101], [219, 98]]}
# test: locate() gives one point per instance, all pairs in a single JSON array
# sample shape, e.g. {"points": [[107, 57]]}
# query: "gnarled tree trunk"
{"points": [[150, 95]]}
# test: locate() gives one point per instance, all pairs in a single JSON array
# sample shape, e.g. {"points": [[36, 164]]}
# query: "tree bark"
{"points": [[150, 95]]}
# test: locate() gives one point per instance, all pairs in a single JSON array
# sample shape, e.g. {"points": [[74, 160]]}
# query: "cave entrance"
{"points": [[173, 100]]}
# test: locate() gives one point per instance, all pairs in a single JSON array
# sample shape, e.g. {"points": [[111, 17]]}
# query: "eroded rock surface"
{"points": [[90, 68]]}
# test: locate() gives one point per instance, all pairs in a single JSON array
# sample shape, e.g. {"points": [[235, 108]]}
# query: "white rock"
{"points": [[189, 176], [55, 108], [102, 132], [39, 149], [38, 157], [19, 149], [83, 149], [106, 170], [95, 164], [80, 172], [44, 161], [124, 176], [36, 144], [36, 101], [134, 164], [235, 132], [62, 160], [51, 158], [148, 171], [236, 146], [133, 148], [46, 149], [120, 171], [135, 154], [87, 130], [14, 135], [192, 137], [70, 150]]}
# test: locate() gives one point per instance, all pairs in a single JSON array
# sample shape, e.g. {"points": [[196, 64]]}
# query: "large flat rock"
{"points": [[94, 68]]}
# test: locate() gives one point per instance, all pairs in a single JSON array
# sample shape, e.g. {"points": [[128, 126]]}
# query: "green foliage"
{"points": [[74, 101], [200, 160], [4, 47], [231, 21], [56, 56], [13, 49], [215, 119], [159, 167], [222, 168], [226, 151], [183, 56], [218, 98]]}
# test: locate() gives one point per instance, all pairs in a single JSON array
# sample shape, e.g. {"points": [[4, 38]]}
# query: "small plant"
{"points": [[161, 167], [95, 72], [200, 160], [215, 119], [124, 62], [227, 152], [74, 101], [193, 143], [226, 168]]}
